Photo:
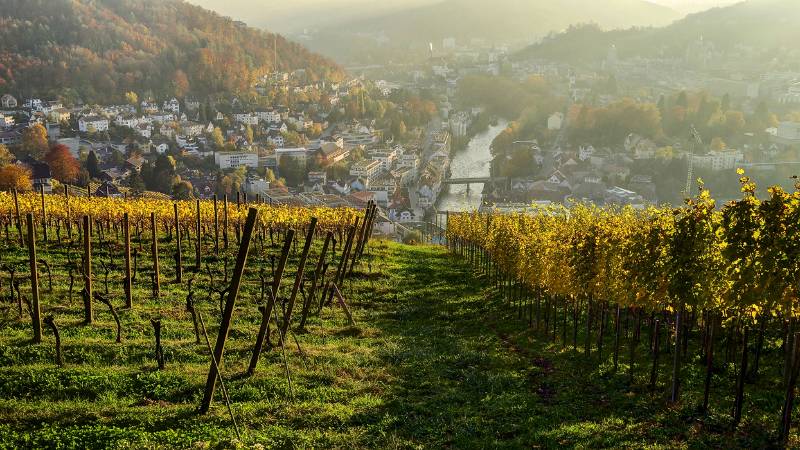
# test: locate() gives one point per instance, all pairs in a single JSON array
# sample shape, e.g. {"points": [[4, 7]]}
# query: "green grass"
{"points": [[435, 360]]}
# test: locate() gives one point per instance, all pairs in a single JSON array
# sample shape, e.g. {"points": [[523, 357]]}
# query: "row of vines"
{"points": [[724, 279], [106, 251]]}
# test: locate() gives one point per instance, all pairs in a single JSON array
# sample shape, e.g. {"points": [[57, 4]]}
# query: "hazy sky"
{"points": [[294, 15]]}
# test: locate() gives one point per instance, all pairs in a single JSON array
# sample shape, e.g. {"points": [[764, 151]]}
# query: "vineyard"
{"points": [[148, 323], [714, 288]]}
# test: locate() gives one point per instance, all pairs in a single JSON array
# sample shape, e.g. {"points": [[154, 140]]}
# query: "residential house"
{"points": [[7, 101], [108, 190], [331, 153], [172, 105], [555, 121], [40, 174], [91, 124]]}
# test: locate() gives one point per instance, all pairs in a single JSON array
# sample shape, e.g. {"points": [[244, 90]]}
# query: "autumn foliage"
{"points": [[63, 166], [166, 47], [17, 177]]}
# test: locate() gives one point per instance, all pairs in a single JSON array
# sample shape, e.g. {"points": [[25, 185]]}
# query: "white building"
{"points": [[232, 160], [247, 119], [723, 160], [88, 124], [789, 131], [555, 121], [367, 169], [172, 105]]}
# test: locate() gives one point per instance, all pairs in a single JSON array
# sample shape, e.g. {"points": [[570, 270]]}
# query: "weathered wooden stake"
{"points": [[225, 221], [154, 255], [216, 226], [35, 308], [788, 404], [298, 279], [316, 280], [126, 228], [225, 325], [178, 256], [159, 350], [87, 270], [739, 400], [198, 244], [266, 311], [17, 218], [44, 213]]}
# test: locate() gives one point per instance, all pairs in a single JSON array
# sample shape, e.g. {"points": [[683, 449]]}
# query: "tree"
{"points": [[248, 132], [92, 165], [182, 190], [6, 157], [34, 141], [717, 144], [63, 166], [136, 182], [180, 83], [132, 98], [217, 137], [16, 177]]}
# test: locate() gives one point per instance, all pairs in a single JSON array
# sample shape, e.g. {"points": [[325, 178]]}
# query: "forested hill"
{"points": [[766, 28], [103, 48]]}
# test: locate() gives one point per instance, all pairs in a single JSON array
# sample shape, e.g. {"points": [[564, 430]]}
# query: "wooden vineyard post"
{"points": [[126, 228], [656, 350], [178, 256], [225, 221], [739, 400], [788, 404], [44, 213], [340, 271], [709, 360], [35, 308], [317, 275], [676, 356], [154, 252], [361, 235], [199, 238], [216, 226], [343, 304], [298, 279], [16, 215], [224, 328], [87, 270], [266, 311]]}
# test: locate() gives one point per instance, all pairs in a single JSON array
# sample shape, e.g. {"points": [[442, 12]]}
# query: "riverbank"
{"points": [[473, 160]]}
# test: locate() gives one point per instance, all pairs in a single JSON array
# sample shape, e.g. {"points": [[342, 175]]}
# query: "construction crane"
{"points": [[698, 142]]}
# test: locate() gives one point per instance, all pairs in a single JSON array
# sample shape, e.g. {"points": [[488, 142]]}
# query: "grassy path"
{"points": [[433, 362]]}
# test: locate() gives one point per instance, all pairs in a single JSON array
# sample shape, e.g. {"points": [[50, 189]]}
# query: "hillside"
{"points": [[103, 48], [765, 25], [419, 349], [505, 21]]}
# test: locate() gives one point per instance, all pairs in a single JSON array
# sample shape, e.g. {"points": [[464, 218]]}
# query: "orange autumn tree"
{"points": [[63, 166], [16, 177]]}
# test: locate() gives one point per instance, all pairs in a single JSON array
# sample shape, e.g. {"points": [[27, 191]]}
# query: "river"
{"points": [[474, 161]]}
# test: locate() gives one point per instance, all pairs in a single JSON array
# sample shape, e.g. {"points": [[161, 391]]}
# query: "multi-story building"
{"points": [[366, 169], [232, 160], [719, 160]]}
